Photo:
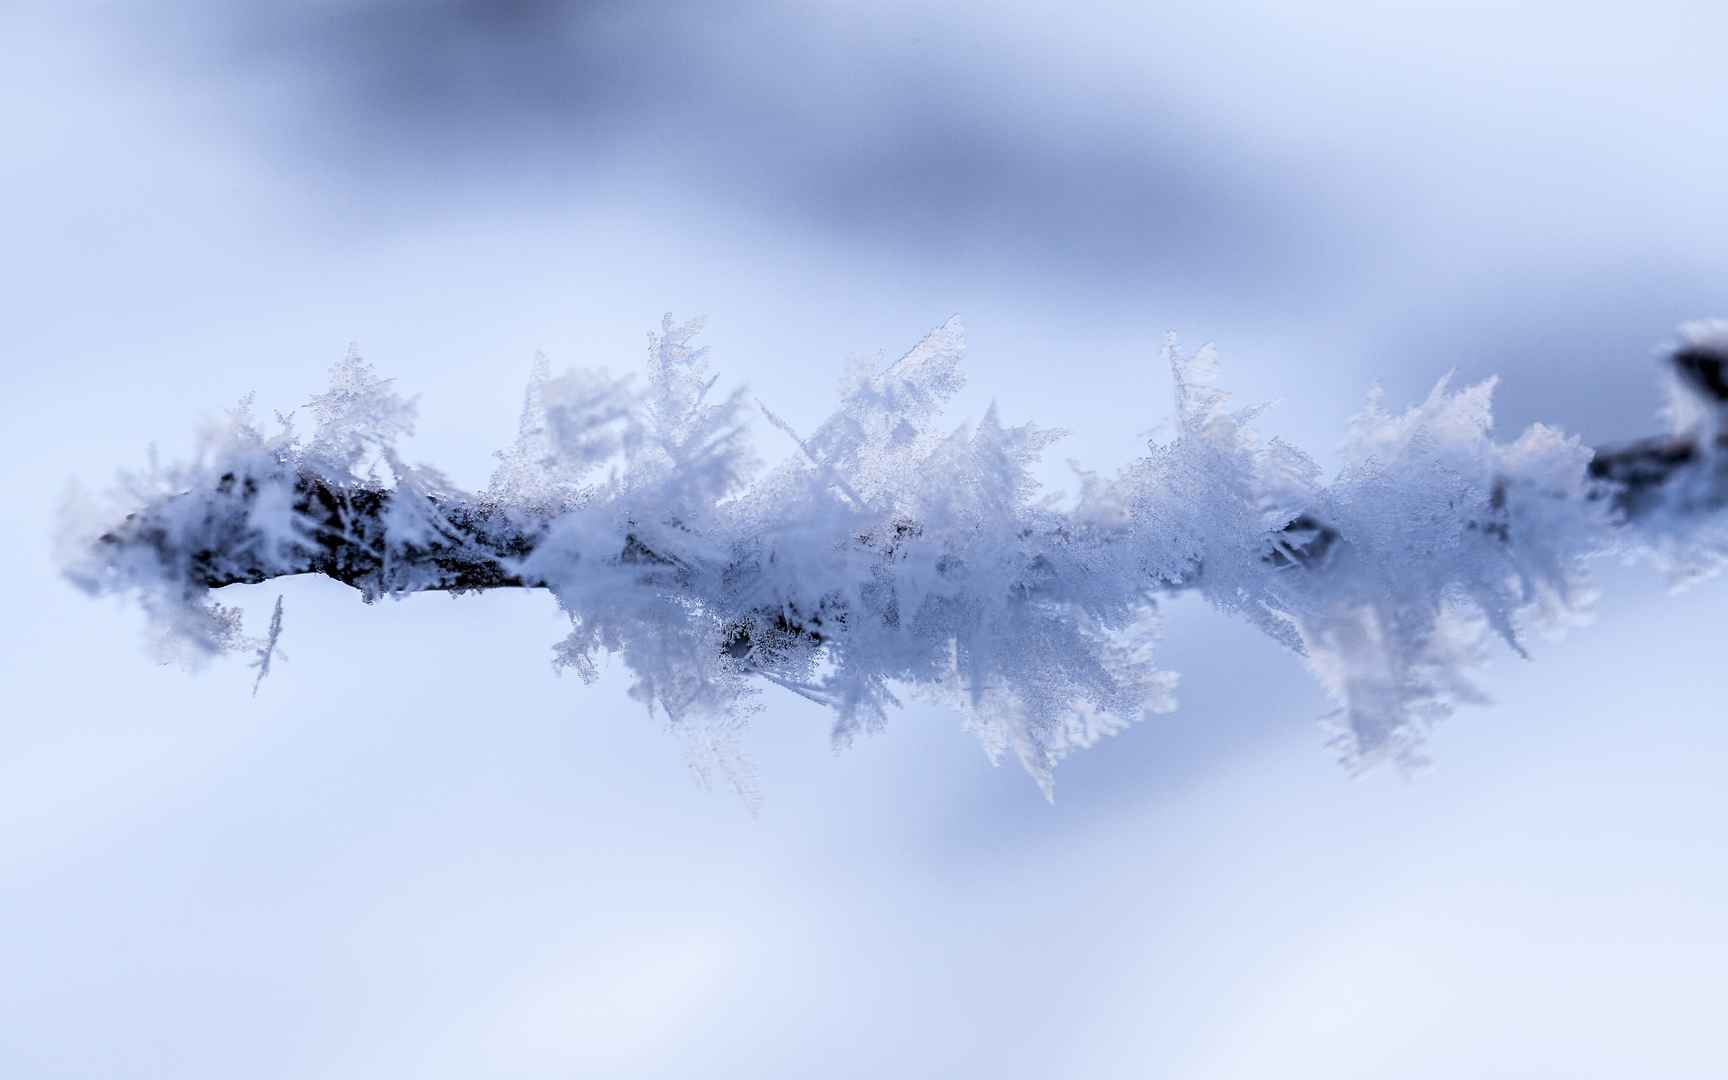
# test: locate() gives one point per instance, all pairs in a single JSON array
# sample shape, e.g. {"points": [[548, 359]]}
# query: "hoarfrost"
{"points": [[894, 550], [270, 649]]}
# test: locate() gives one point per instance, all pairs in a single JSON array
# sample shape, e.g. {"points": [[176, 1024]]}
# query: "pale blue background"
{"points": [[419, 853]]}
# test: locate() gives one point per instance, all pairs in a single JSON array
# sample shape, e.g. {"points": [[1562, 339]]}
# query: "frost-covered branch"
{"points": [[894, 553]]}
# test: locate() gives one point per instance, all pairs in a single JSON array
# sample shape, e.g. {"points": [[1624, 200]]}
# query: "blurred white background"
{"points": [[419, 853]]}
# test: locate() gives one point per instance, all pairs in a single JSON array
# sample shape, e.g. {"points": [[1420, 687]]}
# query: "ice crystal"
{"points": [[895, 550]]}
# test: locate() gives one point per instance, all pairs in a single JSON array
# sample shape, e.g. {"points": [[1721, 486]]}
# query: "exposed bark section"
{"points": [[343, 530], [1305, 540], [1704, 368], [1640, 474]]}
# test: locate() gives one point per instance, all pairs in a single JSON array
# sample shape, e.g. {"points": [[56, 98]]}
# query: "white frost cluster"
{"points": [[1445, 535], [231, 511], [896, 551], [241, 509]]}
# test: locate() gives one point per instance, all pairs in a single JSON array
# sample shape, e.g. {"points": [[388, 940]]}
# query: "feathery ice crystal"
{"points": [[895, 553]]}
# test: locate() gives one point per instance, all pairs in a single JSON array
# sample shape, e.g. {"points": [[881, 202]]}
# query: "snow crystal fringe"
{"points": [[894, 553]]}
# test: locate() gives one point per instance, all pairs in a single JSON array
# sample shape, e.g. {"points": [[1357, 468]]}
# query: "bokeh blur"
{"points": [[417, 852]]}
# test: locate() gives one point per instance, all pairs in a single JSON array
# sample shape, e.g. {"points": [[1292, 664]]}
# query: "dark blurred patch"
{"points": [[1123, 195], [885, 139], [407, 70]]}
